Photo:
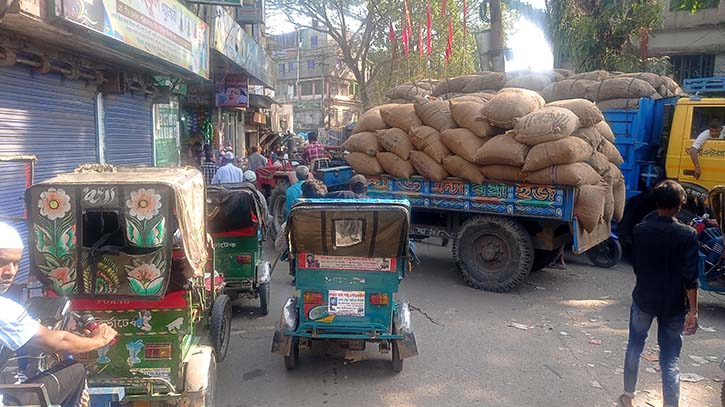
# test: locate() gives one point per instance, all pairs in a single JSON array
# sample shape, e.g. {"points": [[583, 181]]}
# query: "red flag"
{"points": [[391, 34], [420, 40], [449, 46], [443, 7], [408, 25], [430, 28], [465, 15], [406, 44]]}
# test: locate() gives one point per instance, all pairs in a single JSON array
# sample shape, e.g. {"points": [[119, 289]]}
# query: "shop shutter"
{"points": [[46, 115], [129, 136]]}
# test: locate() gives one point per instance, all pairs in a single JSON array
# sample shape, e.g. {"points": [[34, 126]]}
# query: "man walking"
{"points": [[664, 258], [256, 160], [209, 168], [228, 173]]}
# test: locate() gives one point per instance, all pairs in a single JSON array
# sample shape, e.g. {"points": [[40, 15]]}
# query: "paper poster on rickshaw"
{"points": [[320, 262], [346, 303]]}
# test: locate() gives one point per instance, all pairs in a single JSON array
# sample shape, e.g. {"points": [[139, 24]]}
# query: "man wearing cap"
{"points": [[228, 173], [66, 381], [358, 189]]}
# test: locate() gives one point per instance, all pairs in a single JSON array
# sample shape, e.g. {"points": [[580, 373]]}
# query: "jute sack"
{"points": [[371, 120], [599, 162], [501, 150], [502, 173], [544, 125], [400, 101], [598, 75], [487, 81], [590, 135], [587, 112], [622, 88], [652, 78], [671, 85], [395, 141], [407, 91], [564, 72], [619, 190], [459, 167], [428, 140], [365, 142], [396, 166], [532, 81], [468, 115], [427, 167], [589, 205], [605, 131], [619, 104], [462, 143], [364, 164], [508, 105], [567, 89], [435, 113], [611, 152], [565, 151], [400, 116], [481, 98], [451, 85], [567, 174], [608, 199]]}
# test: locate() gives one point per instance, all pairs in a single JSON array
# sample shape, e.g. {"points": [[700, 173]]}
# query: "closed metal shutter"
{"points": [[129, 137], [45, 115]]}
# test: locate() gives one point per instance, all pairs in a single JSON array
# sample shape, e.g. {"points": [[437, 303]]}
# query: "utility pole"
{"points": [[496, 47]]}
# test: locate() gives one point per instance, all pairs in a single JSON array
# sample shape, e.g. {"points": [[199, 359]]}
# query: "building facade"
{"points": [[313, 84], [695, 42]]}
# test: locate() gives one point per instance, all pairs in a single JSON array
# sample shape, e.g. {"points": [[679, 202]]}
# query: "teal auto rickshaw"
{"points": [[237, 221], [349, 257]]}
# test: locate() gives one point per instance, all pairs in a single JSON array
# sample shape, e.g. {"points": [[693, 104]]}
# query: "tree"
{"points": [[351, 24]]}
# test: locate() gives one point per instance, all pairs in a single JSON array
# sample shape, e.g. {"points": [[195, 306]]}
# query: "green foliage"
{"points": [[692, 5]]}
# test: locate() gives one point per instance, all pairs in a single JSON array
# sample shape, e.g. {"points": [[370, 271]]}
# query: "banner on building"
{"points": [[163, 28], [232, 91]]}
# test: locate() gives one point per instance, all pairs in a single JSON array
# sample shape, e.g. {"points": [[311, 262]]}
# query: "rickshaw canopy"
{"points": [[358, 228], [152, 207]]}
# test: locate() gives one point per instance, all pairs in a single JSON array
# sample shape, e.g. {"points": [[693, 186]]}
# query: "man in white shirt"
{"points": [[65, 382], [713, 132], [228, 173]]}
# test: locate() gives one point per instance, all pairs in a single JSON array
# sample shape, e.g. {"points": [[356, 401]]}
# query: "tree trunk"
{"points": [[496, 50]]}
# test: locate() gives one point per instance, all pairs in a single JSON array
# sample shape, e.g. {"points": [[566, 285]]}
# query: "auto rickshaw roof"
{"points": [[187, 183], [344, 227]]}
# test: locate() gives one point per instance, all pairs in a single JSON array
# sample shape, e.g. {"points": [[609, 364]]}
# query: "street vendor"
{"points": [[65, 382]]}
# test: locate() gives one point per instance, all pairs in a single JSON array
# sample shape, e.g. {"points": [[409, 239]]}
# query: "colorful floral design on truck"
{"points": [[147, 278], [144, 226], [55, 240]]}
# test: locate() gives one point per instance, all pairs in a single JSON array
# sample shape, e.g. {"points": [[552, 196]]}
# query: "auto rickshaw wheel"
{"points": [[277, 202], [493, 253], [220, 327], [264, 298], [290, 361], [606, 254], [397, 360]]}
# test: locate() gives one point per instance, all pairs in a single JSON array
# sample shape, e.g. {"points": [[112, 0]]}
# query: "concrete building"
{"points": [[695, 42], [313, 83]]}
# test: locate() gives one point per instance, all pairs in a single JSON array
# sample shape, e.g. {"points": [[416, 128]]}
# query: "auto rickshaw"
{"points": [[128, 247], [349, 258], [237, 219]]}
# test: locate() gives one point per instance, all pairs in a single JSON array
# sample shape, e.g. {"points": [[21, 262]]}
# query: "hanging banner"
{"points": [[162, 28], [166, 134], [232, 91]]}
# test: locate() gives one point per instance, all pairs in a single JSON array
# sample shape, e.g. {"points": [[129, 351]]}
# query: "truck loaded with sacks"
{"points": [[508, 178]]}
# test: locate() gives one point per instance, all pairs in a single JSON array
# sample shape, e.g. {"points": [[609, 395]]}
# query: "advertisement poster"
{"points": [[346, 303], [162, 28], [319, 262], [232, 91], [166, 134]]}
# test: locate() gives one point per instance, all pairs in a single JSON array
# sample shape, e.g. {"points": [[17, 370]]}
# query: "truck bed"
{"points": [[549, 202]]}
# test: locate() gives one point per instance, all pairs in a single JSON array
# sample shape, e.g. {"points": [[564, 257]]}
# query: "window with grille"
{"points": [[682, 5], [692, 66]]}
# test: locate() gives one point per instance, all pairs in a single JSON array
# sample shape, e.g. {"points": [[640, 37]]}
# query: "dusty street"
{"points": [[558, 340]]}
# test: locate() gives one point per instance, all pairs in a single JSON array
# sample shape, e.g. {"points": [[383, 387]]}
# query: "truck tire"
{"points": [[493, 253], [606, 254], [277, 202]]}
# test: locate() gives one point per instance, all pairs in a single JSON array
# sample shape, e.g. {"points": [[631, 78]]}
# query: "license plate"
{"points": [[346, 303]]}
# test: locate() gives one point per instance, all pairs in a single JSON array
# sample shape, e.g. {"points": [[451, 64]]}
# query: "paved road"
{"points": [[469, 355]]}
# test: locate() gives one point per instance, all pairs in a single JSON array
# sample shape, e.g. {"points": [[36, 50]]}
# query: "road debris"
{"points": [[618, 370], [595, 384], [518, 326], [562, 333], [691, 377], [698, 359], [595, 342], [707, 329], [650, 370]]}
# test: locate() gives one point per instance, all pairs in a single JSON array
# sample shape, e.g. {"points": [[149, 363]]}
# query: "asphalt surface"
{"points": [[473, 348]]}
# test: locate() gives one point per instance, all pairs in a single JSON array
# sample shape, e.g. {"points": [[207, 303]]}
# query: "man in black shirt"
{"points": [[665, 256]]}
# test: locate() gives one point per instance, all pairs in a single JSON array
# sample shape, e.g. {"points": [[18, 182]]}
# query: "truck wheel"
{"points": [[543, 258], [397, 360], [277, 202], [493, 253], [290, 362], [221, 326], [264, 298], [606, 254]]}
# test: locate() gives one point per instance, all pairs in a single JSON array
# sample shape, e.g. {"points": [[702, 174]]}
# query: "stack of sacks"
{"points": [[512, 137], [406, 92]]}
